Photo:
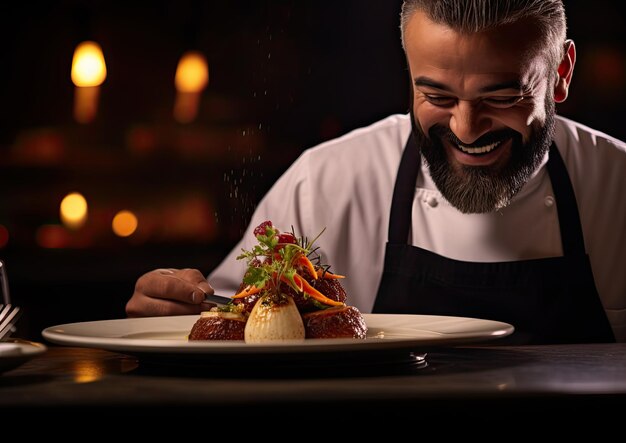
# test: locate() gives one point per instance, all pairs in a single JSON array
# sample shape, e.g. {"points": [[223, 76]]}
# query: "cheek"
{"points": [[523, 119], [428, 115]]}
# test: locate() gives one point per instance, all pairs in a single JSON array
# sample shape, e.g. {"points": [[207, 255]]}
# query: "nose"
{"points": [[468, 122]]}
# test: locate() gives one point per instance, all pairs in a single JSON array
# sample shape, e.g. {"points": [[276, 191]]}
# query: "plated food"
{"points": [[286, 294]]}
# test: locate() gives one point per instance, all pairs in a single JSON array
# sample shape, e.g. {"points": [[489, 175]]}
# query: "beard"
{"points": [[480, 189]]}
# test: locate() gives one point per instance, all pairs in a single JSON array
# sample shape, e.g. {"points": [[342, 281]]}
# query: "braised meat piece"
{"points": [[213, 325], [337, 322]]}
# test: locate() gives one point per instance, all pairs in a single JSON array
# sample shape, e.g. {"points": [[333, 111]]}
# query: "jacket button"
{"points": [[432, 202]]}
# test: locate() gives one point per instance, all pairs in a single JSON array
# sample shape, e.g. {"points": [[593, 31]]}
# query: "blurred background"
{"points": [[160, 160]]}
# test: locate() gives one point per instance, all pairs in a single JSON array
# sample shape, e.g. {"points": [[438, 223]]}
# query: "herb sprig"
{"points": [[276, 260], [274, 257]]}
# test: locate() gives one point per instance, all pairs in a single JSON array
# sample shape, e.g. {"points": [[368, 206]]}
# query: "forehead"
{"points": [[509, 52]]}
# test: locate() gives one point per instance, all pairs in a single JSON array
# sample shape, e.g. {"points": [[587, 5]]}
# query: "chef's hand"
{"points": [[169, 292]]}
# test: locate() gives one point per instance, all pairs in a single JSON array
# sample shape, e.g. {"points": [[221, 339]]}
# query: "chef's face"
{"points": [[483, 108]]}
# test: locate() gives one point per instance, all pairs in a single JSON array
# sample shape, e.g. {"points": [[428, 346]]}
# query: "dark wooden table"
{"points": [[479, 384]]}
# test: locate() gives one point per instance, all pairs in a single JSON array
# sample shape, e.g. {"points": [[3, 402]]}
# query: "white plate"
{"points": [[168, 335], [13, 353]]}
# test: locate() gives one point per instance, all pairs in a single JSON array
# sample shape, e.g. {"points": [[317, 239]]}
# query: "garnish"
{"points": [[286, 294], [282, 259]]}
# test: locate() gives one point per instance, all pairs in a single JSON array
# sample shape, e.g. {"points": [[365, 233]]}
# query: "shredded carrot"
{"points": [[329, 275], [317, 295], [248, 290], [304, 261], [298, 283]]}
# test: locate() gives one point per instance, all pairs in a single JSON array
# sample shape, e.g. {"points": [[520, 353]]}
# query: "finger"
{"points": [[142, 306], [196, 277], [164, 271], [168, 286]]}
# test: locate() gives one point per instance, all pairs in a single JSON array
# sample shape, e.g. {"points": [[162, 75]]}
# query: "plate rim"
{"points": [[29, 349], [58, 334]]}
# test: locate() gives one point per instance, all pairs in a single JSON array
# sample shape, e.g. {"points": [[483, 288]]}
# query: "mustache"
{"points": [[443, 132]]}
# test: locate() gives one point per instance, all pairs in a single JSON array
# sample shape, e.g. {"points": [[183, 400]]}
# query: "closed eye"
{"points": [[503, 102], [440, 100]]}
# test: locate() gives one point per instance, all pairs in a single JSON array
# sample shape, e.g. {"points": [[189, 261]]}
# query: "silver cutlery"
{"points": [[216, 299], [9, 314]]}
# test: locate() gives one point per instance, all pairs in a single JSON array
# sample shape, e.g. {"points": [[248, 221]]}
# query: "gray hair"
{"points": [[471, 16]]}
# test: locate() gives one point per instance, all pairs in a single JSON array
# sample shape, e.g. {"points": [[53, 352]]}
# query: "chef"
{"points": [[481, 202]]}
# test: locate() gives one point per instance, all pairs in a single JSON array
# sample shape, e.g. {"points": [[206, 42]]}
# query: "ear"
{"points": [[564, 72]]}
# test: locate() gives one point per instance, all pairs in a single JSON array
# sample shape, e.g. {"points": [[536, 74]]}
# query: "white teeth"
{"points": [[479, 150]]}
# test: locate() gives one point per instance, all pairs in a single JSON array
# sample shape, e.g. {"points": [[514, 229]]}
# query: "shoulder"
{"points": [[579, 142], [386, 136], [376, 148], [367, 155], [595, 161]]}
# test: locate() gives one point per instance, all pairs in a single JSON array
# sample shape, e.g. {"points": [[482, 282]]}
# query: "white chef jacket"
{"points": [[346, 185]]}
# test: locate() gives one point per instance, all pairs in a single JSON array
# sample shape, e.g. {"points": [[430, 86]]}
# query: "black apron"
{"points": [[548, 300]]}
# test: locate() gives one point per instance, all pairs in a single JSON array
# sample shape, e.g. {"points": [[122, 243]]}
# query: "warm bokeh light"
{"points": [[192, 76], [88, 73], [88, 67], [73, 210], [52, 236], [4, 236], [192, 73], [87, 371], [124, 223]]}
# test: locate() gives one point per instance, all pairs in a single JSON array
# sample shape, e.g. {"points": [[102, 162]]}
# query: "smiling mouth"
{"points": [[478, 150]]}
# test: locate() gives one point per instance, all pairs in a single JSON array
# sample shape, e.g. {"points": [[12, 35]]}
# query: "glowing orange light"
{"points": [[88, 72], [192, 73], [124, 223], [73, 210], [192, 76], [87, 371], [88, 67]]}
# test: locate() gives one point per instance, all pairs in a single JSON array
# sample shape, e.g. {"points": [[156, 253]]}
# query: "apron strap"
{"points": [[569, 218], [404, 193]]}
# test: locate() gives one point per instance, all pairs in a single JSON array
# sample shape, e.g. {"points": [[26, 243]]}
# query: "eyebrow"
{"points": [[429, 82]]}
